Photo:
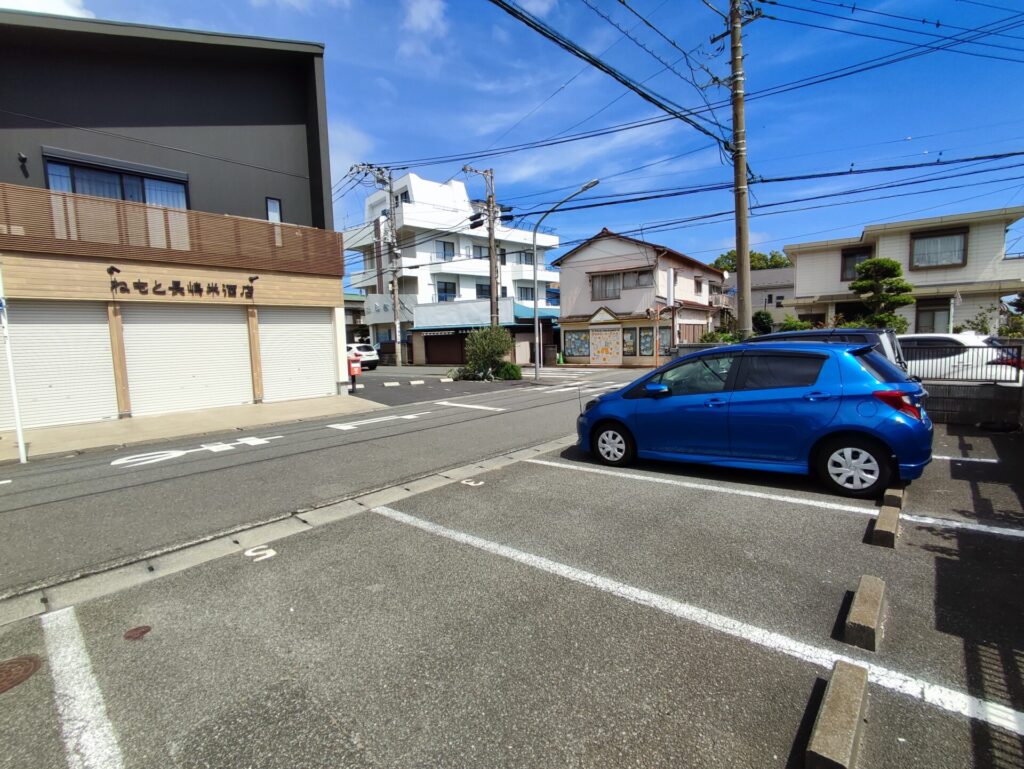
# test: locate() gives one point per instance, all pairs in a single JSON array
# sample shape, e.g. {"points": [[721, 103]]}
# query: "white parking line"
{"points": [[416, 382], [942, 697], [966, 459], [354, 425], [392, 384], [3, 482], [89, 739], [949, 523], [468, 406], [823, 504]]}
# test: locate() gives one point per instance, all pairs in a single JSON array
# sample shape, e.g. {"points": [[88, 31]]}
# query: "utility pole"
{"points": [[492, 215], [739, 170], [385, 180], [740, 13]]}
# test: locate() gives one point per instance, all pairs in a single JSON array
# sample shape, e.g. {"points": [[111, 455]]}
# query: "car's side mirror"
{"points": [[656, 390]]}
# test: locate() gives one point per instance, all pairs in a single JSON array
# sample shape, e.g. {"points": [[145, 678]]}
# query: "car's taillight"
{"points": [[900, 401], [1007, 360]]}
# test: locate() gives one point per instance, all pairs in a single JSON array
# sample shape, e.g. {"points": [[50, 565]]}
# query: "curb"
{"points": [[885, 529], [863, 626], [835, 738]]}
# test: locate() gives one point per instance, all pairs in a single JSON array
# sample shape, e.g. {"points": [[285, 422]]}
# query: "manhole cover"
{"points": [[136, 633], [17, 670]]}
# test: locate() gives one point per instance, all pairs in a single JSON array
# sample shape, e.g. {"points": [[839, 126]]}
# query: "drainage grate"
{"points": [[17, 670]]}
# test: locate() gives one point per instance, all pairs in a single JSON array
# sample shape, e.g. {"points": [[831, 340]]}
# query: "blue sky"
{"points": [[420, 78]]}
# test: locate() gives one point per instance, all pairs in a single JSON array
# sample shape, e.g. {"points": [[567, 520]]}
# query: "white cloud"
{"points": [[538, 7], [424, 21], [59, 7], [597, 157], [348, 145], [386, 86]]}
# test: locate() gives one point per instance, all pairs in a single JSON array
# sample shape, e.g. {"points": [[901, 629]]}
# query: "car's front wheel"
{"points": [[613, 445], [854, 466]]}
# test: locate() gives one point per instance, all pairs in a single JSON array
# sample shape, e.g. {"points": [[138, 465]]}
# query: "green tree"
{"points": [[758, 261], [486, 349], [982, 323], [881, 287], [1018, 303], [762, 322], [790, 323]]}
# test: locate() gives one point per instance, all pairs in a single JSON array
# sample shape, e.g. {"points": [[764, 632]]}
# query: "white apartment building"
{"points": [[957, 265], [769, 291], [441, 262]]}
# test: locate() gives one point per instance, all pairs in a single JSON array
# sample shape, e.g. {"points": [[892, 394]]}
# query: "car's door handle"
{"points": [[714, 402], [817, 396]]}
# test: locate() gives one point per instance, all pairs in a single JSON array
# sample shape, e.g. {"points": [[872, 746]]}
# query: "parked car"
{"points": [[365, 354], [967, 357], [883, 340], [841, 411]]}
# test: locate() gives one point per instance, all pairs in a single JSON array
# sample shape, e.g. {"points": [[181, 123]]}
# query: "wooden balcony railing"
{"points": [[41, 221]]}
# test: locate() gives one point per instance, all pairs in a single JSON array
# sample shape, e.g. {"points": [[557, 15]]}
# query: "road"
{"points": [[540, 610], [78, 515]]}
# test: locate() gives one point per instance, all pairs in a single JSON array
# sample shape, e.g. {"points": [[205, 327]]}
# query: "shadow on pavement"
{"points": [[997, 490], [756, 480], [979, 591]]}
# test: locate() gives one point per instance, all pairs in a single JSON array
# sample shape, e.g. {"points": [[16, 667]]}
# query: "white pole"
{"points": [[23, 458], [538, 353]]}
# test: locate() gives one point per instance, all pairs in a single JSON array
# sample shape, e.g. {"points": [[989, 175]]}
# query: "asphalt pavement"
{"points": [[539, 610], [78, 515], [531, 609]]}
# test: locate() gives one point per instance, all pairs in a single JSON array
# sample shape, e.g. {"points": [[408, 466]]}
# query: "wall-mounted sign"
{"points": [[173, 288]]}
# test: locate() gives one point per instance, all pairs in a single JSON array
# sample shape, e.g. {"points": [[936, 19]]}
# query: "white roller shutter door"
{"points": [[297, 351], [186, 357], [62, 363]]}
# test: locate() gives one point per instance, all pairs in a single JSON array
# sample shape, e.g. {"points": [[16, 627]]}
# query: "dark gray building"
{"points": [[230, 122], [166, 238]]}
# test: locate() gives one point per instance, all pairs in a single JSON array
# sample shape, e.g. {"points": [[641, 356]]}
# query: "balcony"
{"points": [[41, 221], [721, 300]]}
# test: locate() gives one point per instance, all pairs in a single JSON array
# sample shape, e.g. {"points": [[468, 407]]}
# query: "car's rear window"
{"points": [[881, 368]]}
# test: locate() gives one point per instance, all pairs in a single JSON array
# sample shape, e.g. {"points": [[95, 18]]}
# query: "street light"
{"points": [[538, 353]]}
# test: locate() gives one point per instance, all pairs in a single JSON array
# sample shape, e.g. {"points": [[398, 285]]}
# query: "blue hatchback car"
{"points": [[843, 412]]}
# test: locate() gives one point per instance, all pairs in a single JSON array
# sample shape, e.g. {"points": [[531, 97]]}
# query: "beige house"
{"points": [[769, 291], [957, 265], [625, 302]]}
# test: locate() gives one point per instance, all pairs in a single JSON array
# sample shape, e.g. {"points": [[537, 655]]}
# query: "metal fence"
{"points": [[950, 363]]}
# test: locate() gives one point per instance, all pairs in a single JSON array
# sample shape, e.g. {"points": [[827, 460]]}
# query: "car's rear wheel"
{"points": [[613, 445], [855, 466]]}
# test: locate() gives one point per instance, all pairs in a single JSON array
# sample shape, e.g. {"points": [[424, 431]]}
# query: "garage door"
{"points": [[184, 358], [297, 351], [445, 349], [62, 362]]}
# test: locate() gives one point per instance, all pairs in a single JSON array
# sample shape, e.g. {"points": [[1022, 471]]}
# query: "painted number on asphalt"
{"points": [[260, 553], [137, 460], [468, 482]]}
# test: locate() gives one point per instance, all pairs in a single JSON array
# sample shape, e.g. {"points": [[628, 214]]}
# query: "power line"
{"points": [[139, 140], [562, 87], [565, 43], [880, 25], [669, 192], [891, 39], [670, 66], [928, 22]]}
